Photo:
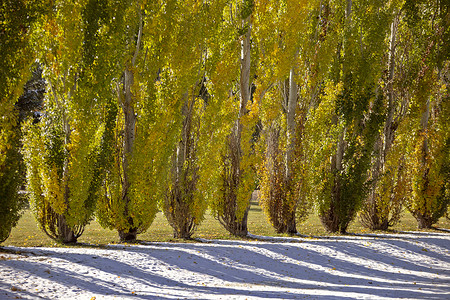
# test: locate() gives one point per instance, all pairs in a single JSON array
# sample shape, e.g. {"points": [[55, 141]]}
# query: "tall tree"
{"points": [[416, 55], [428, 147], [120, 208], [62, 151], [16, 21], [237, 172], [352, 107], [151, 77], [279, 34], [383, 205], [185, 206]]}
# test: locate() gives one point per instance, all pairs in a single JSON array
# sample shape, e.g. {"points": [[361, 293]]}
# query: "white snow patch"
{"points": [[413, 265]]}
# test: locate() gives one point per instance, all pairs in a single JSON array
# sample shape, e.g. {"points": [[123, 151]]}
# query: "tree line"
{"points": [[337, 107]]}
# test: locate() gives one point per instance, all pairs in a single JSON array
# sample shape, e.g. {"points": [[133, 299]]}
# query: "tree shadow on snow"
{"points": [[275, 269]]}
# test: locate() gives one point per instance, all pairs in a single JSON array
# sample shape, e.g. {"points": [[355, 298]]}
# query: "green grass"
{"points": [[27, 233]]}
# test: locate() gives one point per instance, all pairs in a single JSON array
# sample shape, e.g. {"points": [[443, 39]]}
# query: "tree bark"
{"points": [[184, 179], [128, 142], [371, 217], [245, 89], [424, 221], [348, 11], [291, 226], [389, 126], [127, 104], [244, 80], [332, 218], [182, 147], [65, 234], [237, 226], [424, 216], [290, 118]]}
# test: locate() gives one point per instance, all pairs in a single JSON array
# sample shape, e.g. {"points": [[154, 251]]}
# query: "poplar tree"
{"points": [[152, 73], [237, 178], [388, 186], [16, 21], [128, 202], [280, 26], [62, 151], [343, 126], [184, 205], [427, 155], [414, 80]]}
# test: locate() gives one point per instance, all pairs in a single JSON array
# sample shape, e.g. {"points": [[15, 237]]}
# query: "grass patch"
{"points": [[27, 233]]}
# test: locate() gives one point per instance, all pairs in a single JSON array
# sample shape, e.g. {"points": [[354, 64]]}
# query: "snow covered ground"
{"points": [[411, 265]]}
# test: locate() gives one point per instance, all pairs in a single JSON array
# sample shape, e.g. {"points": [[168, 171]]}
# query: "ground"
{"points": [[413, 265]]}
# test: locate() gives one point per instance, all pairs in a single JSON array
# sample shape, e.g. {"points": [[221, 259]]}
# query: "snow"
{"points": [[414, 265]]}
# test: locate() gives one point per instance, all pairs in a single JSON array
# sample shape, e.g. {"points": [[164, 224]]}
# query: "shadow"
{"points": [[356, 266], [441, 229]]}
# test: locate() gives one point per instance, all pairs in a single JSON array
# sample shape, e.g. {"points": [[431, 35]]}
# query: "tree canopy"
{"points": [[333, 107]]}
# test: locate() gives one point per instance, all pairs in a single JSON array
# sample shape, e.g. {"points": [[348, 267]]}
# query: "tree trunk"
{"points": [[65, 234], [371, 217], [126, 101], [291, 227], [241, 228], [290, 120], [245, 88], [127, 234], [333, 217], [424, 216], [232, 176], [184, 179], [183, 145], [348, 11], [423, 220], [389, 126]]}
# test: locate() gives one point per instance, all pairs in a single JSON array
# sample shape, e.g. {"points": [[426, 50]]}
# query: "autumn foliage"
{"points": [[334, 108]]}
